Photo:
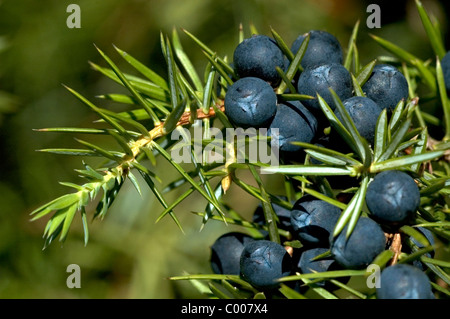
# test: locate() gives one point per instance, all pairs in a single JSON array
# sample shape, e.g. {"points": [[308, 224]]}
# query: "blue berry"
{"points": [[393, 197], [323, 48], [226, 253], [263, 262], [313, 220], [292, 123], [402, 281], [445, 64], [283, 214], [320, 79], [250, 102], [429, 236], [366, 241], [307, 265], [322, 142], [259, 56], [386, 86], [364, 112]]}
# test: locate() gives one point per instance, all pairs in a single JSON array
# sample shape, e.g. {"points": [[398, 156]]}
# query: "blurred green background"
{"points": [[128, 255]]}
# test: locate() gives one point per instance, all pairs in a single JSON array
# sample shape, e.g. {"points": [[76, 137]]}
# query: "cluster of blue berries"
{"points": [[252, 102], [262, 262], [392, 196]]}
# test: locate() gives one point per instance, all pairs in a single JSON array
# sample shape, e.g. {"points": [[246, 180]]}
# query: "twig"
{"points": [[396, 247]]}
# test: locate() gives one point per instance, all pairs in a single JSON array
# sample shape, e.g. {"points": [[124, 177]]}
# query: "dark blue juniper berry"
{"points": [[313, 220], [323, 142], [403, 281], [283, 214], [320, 79], [393, 198], [430, 238], [292, 123], [366, 241], [259, 56], [428, 235], [263, 262], [250, 102], [323, 48], [308, 264], [445, 64], [386, 86], [226, 252], [364, 113]]}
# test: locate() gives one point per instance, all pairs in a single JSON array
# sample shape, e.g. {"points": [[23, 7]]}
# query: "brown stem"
{"points": [[157, 131], [396, 247], [186, 117]]}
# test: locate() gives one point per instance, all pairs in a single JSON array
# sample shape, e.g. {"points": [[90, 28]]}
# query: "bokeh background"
{"points": [[128, 255]]}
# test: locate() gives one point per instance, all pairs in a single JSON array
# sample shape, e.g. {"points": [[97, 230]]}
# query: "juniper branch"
{"points": [[109, 180]]}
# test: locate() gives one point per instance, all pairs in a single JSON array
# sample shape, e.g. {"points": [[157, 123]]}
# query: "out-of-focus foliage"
{"points": [[128, 256]]}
